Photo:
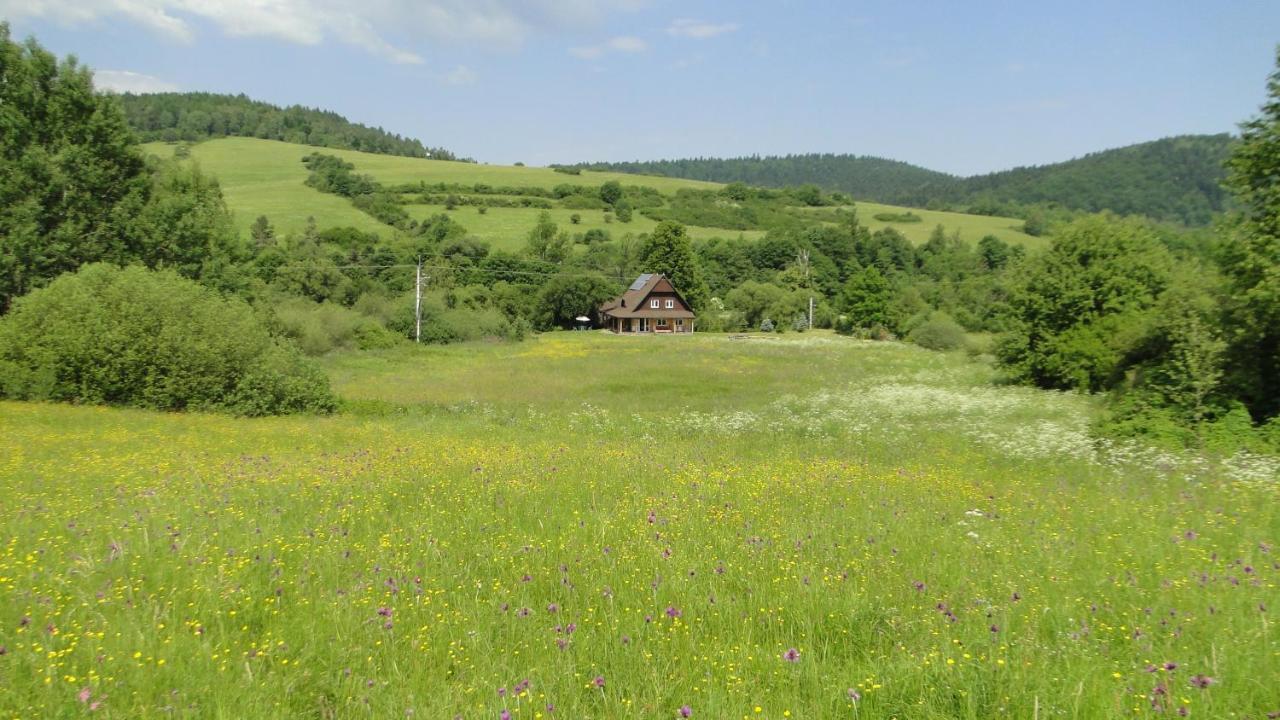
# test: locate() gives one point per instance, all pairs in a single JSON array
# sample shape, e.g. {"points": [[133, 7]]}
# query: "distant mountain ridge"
{"points": [[1175, 179], [863, 176], [195, 116]]}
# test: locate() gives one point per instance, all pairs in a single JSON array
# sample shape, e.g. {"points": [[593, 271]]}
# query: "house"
{"points": [[651, 305]]}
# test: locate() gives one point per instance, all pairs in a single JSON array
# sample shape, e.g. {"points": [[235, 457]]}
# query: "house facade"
{"points": [[651, 305]]}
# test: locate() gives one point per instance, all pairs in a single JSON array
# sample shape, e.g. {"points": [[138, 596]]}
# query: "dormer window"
{"points": [[654, 303], [670, 303]]}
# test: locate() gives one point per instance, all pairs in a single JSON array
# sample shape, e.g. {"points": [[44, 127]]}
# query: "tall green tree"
{"points": [[546, 242], [866, 297], [1084, 305], [71, 178], [668, 251], [1252, 262]]}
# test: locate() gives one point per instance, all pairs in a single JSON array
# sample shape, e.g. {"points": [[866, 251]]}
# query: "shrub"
{"points": [[766, 325], [938, 332], [319, 328], [132, 336], [906, 217]]}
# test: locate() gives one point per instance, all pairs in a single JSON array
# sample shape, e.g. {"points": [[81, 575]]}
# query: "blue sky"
{"points": [[959, 87]]}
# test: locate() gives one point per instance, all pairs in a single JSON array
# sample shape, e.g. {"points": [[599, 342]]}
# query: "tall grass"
{"points": [[596, 526]]}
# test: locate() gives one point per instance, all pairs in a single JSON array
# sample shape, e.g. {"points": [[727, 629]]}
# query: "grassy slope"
{"points": [[971, 227], [507, 228], [874, 506], [265, 177]]}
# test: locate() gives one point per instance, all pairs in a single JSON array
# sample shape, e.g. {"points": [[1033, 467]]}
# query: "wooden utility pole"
{"points": [[417, 303]]}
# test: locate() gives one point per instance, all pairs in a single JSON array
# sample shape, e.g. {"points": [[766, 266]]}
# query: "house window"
{"points": [[670, 303], [680, 323], [654, 303]]}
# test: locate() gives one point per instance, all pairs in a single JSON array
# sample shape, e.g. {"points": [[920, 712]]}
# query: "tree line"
{"points": [[195, 116], [1176, 179]]}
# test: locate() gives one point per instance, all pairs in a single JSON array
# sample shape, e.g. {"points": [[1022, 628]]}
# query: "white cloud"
{"points": [[628, 44], [688, 27], [126, 81], [381, 27], [621, 43], [461, 75]]}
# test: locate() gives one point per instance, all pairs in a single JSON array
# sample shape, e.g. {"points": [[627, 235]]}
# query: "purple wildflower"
{"points": [[791, 655], [1201, 681], [599, 681], [854, 695], [504, 715], [672, 611], [686, 711], [553, 608]]}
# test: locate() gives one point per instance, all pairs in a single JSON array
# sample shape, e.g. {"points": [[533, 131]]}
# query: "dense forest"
{"points": [[1176, 179], [194, 116], [862, 176]]}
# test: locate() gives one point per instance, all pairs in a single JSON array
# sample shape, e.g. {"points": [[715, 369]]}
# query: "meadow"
{"points": [[584, 525], [267, 177]]}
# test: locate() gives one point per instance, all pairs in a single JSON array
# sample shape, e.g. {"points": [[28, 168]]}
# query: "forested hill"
{"points": [[863, 176], [1176, 179], [194, 116]]}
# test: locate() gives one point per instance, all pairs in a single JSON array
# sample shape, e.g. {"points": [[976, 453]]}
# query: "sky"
{"points": [[962, 87]]}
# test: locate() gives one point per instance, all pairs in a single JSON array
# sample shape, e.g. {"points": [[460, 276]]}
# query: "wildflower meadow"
{"points": [[588, 526]]}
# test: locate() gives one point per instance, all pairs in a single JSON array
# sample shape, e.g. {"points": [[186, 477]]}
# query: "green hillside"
{"points": [[1175, 179], [195, 116], [1178, 179], [862, 176], [266, 177]]}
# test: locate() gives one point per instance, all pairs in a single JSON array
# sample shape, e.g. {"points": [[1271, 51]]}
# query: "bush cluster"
{"points": [[131, 336]]}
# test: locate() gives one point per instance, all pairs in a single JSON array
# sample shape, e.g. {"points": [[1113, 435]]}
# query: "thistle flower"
{"points": [[1202, 681], [599, 681], [685, 711], [791, 655]]}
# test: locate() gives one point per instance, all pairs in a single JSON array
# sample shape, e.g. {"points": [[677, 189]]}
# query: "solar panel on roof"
{"points": [[640, 281]]}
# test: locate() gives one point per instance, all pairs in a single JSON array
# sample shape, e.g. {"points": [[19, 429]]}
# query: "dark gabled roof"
{"points": [[631, 302]]}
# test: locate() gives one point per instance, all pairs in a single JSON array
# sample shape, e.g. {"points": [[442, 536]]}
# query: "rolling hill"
{"points": [[266, 177], [195, 116], [1175, 179]]}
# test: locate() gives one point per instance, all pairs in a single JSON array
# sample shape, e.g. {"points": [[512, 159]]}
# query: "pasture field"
{"points": [[508, 228], [972, 227], [266, 177], [590, 526]]}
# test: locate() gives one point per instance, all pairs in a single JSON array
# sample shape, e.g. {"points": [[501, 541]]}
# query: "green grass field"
{"points": [[266, 177], [508, 228], [590, 526]]}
